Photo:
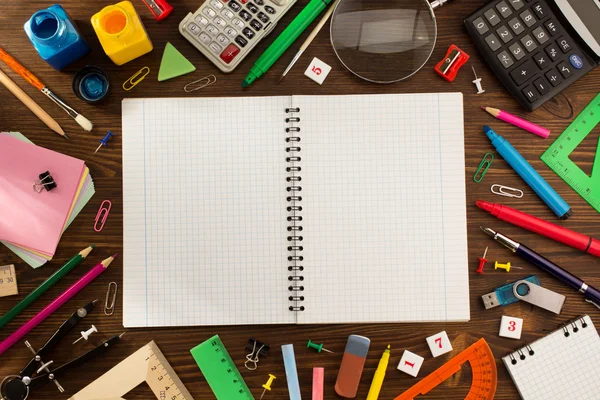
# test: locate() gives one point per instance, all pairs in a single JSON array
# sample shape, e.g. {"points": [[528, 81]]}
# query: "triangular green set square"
{"points": [[173, 64]]}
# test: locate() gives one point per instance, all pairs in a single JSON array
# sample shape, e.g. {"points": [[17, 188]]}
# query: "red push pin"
{"points": [[482, 262]]}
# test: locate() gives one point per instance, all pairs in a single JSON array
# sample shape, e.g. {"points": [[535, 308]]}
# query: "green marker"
{"points": [[285, 40], [44, 286]]}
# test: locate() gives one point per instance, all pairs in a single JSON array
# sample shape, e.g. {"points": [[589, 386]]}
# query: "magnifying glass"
{"points": [[384, 41]]}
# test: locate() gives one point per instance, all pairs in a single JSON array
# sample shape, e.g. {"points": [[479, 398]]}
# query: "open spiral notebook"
{"points": [[562, 365], [294, 209]]}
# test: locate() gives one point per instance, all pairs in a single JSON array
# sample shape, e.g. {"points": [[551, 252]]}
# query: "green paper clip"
{"points": [[484, 165]]}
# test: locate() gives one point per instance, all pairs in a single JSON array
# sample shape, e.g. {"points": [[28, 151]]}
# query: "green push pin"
{"points": [[318, 347]]}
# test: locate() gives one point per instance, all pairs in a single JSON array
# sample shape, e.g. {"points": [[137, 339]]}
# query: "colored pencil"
{"points": [[31, 105], [55, 305], [44, 286], [518, 122]]}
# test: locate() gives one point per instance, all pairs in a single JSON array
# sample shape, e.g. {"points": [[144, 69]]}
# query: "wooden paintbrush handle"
{"points": [[20, 69]]}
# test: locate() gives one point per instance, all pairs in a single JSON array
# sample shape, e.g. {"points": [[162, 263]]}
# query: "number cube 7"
{"points": [[410, 363], [439, 344], [511, 327]]}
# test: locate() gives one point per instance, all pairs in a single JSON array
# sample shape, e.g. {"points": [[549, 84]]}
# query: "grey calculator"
{"points": [[226, 31]]}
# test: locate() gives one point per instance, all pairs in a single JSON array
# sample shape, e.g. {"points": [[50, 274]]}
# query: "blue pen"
{"points": [[529, 174]]}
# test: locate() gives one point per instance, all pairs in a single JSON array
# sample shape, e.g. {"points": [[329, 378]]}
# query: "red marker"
{"points": [[482, 262], [548, 229]]}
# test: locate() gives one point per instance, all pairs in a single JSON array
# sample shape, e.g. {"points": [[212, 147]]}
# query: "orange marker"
{"points": [[482, 262]]}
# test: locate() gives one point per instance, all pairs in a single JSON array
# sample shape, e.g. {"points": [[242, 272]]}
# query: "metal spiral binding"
{"points": [[527, 349], [294, 210]]}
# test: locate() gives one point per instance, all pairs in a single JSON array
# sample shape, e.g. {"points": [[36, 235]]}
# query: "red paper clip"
{"points": [[159, 8], [102, 215], [449, 66]]}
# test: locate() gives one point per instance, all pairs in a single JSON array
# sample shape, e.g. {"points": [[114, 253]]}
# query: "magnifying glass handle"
{"points": [[438, 3]]}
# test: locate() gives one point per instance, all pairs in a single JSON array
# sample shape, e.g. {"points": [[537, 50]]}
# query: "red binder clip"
{"points": [[159, 8], [449, 66]]}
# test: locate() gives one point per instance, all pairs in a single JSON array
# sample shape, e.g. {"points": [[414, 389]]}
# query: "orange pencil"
{"points": [[35, 82]]}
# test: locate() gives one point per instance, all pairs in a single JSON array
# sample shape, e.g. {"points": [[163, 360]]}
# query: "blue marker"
{"points": [[529, 174]]}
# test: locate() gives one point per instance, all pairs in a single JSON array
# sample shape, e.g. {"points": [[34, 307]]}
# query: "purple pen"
{"points": [[592, 295]]}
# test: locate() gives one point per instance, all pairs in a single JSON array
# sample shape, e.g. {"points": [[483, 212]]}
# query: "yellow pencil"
{"points": [[31, 104], [379, 375]]}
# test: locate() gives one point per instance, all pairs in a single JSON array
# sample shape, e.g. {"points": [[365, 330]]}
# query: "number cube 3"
{"points": [[439, 344], [410, 363], [511, 327]]}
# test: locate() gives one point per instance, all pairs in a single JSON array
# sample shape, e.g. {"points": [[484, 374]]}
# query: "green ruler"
{"points": [[557, 155], [220, 371]]}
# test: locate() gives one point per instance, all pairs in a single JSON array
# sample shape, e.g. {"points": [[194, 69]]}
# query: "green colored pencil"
{"points": [[44, 286]]}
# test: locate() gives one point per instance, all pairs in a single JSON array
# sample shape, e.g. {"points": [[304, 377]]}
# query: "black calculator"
{"points": [[537, 48]]}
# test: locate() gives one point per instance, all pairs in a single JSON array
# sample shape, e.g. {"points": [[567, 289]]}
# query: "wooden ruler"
{"points": [[148, 365], [8, 281], [557, 155], [483, 366]]}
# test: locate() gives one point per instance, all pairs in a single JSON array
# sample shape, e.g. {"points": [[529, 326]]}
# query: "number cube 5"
{"points": [[511, 327], [439, 344], [410, 363], [317, 71]]}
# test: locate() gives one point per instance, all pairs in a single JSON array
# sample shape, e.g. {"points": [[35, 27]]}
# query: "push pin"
{"points": [[482, 261], [104, 141], [267, 385], [86, 334], [45, 182], [252, 357], [477, 82], [505, 267], [318, 347]]}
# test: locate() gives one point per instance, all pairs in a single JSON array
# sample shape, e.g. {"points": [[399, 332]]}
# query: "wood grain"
{"points": [[175, 343]]}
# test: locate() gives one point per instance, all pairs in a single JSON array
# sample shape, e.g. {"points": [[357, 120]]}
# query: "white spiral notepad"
{"points": [[294, 209], [563, 365]]}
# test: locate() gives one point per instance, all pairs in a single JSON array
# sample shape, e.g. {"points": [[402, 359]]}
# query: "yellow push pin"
{"points": [[505, 267], [267, 385]]}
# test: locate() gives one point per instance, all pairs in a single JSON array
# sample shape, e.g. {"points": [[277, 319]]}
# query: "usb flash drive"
{"points": [[504, 295]]}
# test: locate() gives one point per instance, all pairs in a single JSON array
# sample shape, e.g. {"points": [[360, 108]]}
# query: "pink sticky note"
{"points": [[318, 382], [27, 218]]}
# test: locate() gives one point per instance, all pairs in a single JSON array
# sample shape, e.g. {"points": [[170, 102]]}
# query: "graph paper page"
{"points": [[205, 212], [384, 212], [561, 367]]}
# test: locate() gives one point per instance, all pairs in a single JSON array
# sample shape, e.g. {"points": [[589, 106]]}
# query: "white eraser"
{"points": [[410, 363], [439, 344], [511, 327], [317, 71]]}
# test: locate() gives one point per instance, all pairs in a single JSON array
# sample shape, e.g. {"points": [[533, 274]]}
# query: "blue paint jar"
{"points": [[55, 37], [91, 84]]}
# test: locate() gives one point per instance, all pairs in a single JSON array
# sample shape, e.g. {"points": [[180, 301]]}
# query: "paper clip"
{"points": [[263, 350], [45, 181], [136, 78], [102, 215], [109, 310], [506, 191], [484, 165], [202, 83]]}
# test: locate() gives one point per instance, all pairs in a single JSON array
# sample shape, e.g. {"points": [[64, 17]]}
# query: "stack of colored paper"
{"points": [[32, 223]]}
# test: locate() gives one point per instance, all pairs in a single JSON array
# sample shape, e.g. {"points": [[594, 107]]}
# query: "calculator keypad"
{"points": [[528, 49], [226, 30]]}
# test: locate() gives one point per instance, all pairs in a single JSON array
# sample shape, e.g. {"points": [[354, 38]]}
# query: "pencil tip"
{"points": [[65, 136]]}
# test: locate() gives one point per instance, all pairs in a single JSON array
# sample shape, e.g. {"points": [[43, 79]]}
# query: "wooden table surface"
{"points": [[106, 170]]}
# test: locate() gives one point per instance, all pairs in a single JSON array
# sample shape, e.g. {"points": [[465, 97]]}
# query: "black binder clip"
{"points": [[256, 349], [45, 182]]}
